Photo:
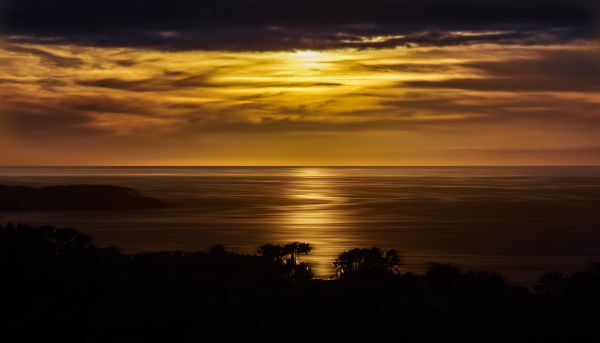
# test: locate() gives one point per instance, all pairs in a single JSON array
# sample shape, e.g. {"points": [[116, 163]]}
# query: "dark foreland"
{"points": [[74, 197], [56, 284]]}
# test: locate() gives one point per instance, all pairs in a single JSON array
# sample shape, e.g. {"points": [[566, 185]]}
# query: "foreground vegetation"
{"points": [[56, 283]]}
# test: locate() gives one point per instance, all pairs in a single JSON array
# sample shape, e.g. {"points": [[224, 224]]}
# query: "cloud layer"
{"points": [[296, 24], [299, 82], [487, 103]]}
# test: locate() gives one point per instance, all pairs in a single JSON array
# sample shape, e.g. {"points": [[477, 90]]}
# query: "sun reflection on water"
{"points": [[315, 214]]}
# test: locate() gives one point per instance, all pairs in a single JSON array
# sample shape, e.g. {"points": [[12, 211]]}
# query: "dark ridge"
{"points": [[58, 286], [75, 197]]}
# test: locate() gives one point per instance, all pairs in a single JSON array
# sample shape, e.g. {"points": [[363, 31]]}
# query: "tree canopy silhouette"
{"points": [[367, 262], [55, 276], [287, 256]]}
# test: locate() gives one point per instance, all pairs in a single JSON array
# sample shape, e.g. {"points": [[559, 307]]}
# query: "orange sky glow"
{"points": [[480, 104]]}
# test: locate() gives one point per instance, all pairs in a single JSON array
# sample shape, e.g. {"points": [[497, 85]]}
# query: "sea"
{"points": [[520, 222]]}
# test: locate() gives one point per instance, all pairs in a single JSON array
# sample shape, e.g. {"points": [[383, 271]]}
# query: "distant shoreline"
{"points": [[74, 197]]}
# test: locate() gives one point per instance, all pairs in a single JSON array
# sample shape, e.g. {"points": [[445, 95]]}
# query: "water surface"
{"points": [[519, 221]]}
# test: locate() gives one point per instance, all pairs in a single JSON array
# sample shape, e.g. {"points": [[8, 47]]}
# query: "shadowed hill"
{"points": [[75, 197]]}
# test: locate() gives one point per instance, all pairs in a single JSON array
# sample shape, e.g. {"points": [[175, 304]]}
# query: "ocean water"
{"points": [[518, 221]]}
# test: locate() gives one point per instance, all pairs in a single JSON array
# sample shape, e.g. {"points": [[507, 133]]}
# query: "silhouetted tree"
{"points": [[367, 262], [217, 250], [55, 276], [551, 284], [273, 252], [447, 285], [292, 250], [287, 256]]}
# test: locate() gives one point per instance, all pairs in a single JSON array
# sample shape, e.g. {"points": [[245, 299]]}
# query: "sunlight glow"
{"points": [[282, 107], [307, 58], [307, 54], [315, 214]]}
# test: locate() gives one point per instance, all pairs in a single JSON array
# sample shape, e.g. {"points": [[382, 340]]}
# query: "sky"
{"points": [[328, 82]]}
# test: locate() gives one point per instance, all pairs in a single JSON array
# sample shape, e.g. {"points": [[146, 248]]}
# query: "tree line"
{"points": [[56, 282]]}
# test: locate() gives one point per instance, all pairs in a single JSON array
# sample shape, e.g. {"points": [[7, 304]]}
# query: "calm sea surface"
{"points": [[517, 221]]}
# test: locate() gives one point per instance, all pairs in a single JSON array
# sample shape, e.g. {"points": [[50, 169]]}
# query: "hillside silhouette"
{"points": [[57, 284], [75, 197]]}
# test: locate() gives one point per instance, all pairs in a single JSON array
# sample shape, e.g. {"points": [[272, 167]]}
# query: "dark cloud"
{"points": [[291, 125], [47, 57], [34, 114], [295, 24], [493, 109], [43, 120], [554, 71], [126, 63], [107, 104], [417, 68], [546, 84], [46, 83], [590, 149], [36, 123], [587, 153], [159, 84], [148, 85]]}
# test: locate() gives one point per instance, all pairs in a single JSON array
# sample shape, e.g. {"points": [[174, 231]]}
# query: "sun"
{"points": [[306, 54], [306, 58]]}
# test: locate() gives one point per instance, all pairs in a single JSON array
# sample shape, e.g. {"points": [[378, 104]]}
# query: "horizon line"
{"points": [[306, 166]]}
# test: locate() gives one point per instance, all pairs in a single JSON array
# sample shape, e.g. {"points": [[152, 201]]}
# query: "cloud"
{"points": [[47, 57], [157, 84], [42, 122], [194, 93], [201, 81], [587, 149], [551, 71], [383, 102], [296, 24], [578, 154], [509, 84], [491, 109], [47, 83]]}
